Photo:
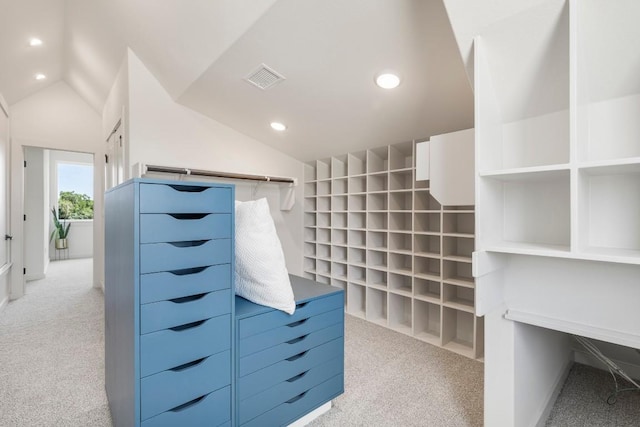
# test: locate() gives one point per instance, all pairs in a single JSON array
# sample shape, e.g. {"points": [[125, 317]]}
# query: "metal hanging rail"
{"points": [[224, 175]]}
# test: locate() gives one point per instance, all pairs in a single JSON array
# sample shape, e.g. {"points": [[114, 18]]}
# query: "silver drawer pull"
{"points": [[188, 216], [187, 365], [186, 271], [191, 298], [297, 340], [187, 405], [297, 356], [295, 399], [188, 244], [298, 323], [187, 326], [297, 377]]}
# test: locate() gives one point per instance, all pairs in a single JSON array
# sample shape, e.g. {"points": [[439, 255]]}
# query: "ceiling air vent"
{"points": [[264, 77]]}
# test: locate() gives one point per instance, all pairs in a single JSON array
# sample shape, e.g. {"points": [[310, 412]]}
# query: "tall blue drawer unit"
{"points": [[169, 303], [289, 365]]}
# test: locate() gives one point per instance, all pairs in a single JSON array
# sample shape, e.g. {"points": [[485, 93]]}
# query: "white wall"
{"points": [[36, 203], [56, 118], [162, 132]]}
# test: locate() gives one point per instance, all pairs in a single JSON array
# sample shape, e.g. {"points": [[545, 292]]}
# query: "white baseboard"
{"points": [[32, 277], [311, 416], [101, 285], [4, 303], [585, 358], [555, 392]]}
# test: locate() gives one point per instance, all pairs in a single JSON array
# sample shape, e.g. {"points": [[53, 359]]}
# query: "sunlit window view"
{"points": [[75, 186]]}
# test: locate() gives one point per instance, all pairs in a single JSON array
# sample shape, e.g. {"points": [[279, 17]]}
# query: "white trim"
{"points": [[32, 277], [4, 106], [4, 303], [555, 392], [5, 268], [301, 422]]}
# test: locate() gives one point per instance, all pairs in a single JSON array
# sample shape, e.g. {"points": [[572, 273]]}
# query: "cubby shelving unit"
{"points": [[403, 259]]}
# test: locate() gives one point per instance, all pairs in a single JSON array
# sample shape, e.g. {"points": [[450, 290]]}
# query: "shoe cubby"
{"points": [[377, 240], [401, 243], [339, 203], [427, 268], [356, 300], [377, 202], [309, 275], [400, 313], [424, 201], [427, 245], [323, 251], [401, 264], [403, 259], [357, 163], [401, 221], [458, 223], [458, 297], [400, 201], [377, 306], [427, 222], [357, 220], [426, 321], [377, 278], [378, 182], [357, 256], [357, 239], [457, 248], [401, 180], [427, 290], [339, 220], [377, 221], [339, 253], [339, 271], [358, 184], [378, 160], [400, 283]]}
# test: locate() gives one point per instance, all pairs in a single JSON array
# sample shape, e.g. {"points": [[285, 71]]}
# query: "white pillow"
{"points": [[260, 274]]}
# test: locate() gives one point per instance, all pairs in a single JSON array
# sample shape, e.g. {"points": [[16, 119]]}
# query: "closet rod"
{"points": [[226, 175]]}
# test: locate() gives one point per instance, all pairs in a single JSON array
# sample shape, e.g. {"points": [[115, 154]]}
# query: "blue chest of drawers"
{"points": [[169, 303], [287, 366]]}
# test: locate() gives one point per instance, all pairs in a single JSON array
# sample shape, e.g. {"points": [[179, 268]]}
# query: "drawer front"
{"points": [[181, 283], [212, 409], [275, 354], [165, 198], [156, 228], [276, 318], [155, 257], [290, 331], [300, 405], [169, 348], [180, 311], [266, 378], [172, 388]]}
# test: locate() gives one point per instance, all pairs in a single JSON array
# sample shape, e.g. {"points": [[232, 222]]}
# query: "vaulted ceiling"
{"points": [[328, 50]]}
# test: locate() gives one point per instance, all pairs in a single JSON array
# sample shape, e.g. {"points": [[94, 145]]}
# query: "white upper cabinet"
{"points": [[451, 168]]}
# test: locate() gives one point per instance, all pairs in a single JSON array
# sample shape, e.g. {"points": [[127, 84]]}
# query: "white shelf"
{"points": [[534, 172]]}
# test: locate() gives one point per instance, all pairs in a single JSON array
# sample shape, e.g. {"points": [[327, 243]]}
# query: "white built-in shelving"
{"points": [[403, 259]]}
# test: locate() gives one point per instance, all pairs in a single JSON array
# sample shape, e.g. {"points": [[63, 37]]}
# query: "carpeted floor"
{"points": [[52, 370]]}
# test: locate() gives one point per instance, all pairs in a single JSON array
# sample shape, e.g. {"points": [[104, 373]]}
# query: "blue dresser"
{"points": [[287, 366], [169, 303]]}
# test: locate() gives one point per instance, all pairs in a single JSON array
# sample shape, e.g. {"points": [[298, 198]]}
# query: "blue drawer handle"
{"points": [[298, 323], [297, 356], [188, 404], [297, 340], [188, 244], [187, 365], [297, 377], [301, 305], [188, 326], [298, 397], [188, 216], [188, 299], [186, 271], [188, 188]]}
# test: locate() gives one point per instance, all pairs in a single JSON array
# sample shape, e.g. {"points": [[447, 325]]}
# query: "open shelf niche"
{"points": [[403, 259]]}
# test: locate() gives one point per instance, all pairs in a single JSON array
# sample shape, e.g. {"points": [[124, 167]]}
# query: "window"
{"points": [[75, 187]]}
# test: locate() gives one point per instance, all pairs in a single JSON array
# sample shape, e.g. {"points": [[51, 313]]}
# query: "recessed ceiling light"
{"points": [[40, 76], [35, 42], [278, 126], [387, 80]]}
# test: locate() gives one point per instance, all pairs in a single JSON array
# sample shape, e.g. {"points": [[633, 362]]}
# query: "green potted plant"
{"points": [[60, 232]]}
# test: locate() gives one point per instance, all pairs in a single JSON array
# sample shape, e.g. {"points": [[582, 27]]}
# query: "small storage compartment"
{"points": [[156, 228], [198, 412], [181, 283], [176, 198], [156, 257]]}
